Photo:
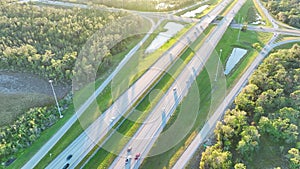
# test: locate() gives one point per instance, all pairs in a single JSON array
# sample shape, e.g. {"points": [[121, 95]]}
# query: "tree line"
{"points": [[286, 11], [269, 106], [141, 5], [27, 128], [46, 41]]}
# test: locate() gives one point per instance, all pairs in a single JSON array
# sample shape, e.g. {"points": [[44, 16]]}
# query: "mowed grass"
{"points": [[103, 101], [247, 38], [14, 104]]}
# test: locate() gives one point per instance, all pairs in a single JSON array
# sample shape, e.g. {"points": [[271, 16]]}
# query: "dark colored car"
{"points": [[69, 157], [66, 166]]}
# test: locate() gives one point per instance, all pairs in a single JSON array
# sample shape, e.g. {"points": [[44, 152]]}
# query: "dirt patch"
{"points": [[22, 91], [14, 83]]}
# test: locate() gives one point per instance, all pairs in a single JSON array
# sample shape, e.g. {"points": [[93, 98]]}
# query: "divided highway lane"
{"points": [[82, 145], [143, 140]]}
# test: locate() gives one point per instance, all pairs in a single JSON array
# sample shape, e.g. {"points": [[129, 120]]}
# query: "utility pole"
{"points": [[60, 115], [240, 31]]}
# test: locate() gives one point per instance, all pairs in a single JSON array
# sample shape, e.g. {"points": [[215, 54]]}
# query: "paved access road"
{"points": [[145, 137], [293, 32], [82, 145]]}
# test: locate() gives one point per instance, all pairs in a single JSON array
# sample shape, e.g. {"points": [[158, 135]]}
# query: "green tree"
{"points": [[215, 158], [249, 141], [294, 158], [239, 166]]}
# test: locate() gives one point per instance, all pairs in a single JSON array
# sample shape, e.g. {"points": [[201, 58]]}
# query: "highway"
{"points": [[210, 124], [45, 149], [145, 137], [95, 132]]}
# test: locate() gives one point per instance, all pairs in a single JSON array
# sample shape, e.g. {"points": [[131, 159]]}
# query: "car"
{"points": [[112, 119], [129, 149], [69, 157], [137, 156], [66, 166], [127, 159]]}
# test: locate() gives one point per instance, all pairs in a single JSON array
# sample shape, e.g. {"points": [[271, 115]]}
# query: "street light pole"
{"points": [[218, 65], [60, 115], [240, 30]]}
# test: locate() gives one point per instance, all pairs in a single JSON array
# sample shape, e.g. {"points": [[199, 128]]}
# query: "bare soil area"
{"points": [[21, 91]]}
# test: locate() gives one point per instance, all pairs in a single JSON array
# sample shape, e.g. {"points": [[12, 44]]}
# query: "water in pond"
{"points": [[163, 37], [193, 13], [236, 55]]}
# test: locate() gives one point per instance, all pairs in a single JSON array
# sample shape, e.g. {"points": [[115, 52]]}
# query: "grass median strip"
{"points": [[103, 158], [104, 100]]}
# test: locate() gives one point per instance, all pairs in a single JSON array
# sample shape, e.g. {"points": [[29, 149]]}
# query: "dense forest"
{"points": [[46, 41], [267, 112], [286, 11], [142, 5]]}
